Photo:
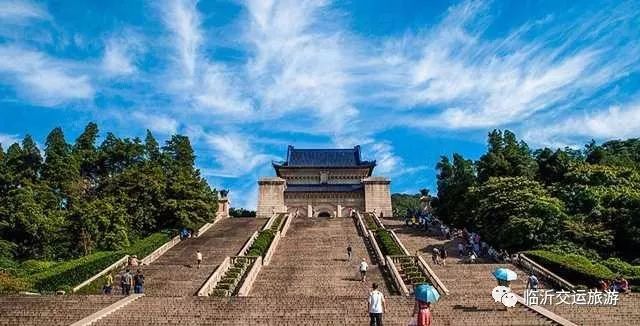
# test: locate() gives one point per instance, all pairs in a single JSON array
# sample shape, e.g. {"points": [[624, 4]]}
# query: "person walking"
{"points": [[532, 282], [108, 284], [138, 282], [126, 280], [443, 256], [376, 306], [199, 258], [363, 270], [349, 252], [435, 256], [422, 312]]}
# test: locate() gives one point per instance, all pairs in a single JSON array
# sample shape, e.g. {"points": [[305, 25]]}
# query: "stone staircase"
{"points": [[49, 309], [175, 272], [470, 285], [625, 313]]}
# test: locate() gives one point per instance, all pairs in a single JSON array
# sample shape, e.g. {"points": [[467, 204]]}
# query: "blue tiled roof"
{"points": [[325, 158], [324, 188]]}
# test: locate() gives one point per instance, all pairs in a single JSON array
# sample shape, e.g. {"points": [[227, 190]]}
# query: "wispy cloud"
{"points": [[21, 10], [234, 154], [156, 122], [44, 79], [120, 54]]}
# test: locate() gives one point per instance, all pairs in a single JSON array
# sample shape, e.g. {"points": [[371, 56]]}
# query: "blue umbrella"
{"points": [[426, 293], [505, 274]]}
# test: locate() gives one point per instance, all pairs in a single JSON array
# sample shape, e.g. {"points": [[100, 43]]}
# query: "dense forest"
{"points": [[71, 200], [566, 201]]}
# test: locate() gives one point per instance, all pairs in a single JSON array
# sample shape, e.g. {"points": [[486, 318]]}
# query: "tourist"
{"points": [[133, 261], [472, 257], [603, 285], [108, 284], [435, 256], [460, 249], [349, 252], [138, 282], [422, 312], [381, 214], [376, 306], [363, 270], [532, 282], [624, 285], [443, 256], [199, 258], [125, 281]]}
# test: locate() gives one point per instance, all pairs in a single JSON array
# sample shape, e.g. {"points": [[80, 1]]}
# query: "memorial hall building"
{"points": [[323, 183]]}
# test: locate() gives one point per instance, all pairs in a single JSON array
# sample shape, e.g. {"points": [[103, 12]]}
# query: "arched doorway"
{"points": [[324, 215]]}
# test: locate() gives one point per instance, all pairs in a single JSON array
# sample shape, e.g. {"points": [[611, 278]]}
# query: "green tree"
{"points": [[454, 204], [60, 170]]}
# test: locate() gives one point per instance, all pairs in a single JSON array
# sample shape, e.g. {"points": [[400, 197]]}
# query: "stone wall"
{"points": [[330, 202], [270, 196], [377, 195]]}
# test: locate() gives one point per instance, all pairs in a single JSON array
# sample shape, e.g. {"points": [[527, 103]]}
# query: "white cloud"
{"points": [[120, 54], [7, 140], [183, 20], [156, 122], [234, 154], [43, 79], [17, 11], [614, 122]]}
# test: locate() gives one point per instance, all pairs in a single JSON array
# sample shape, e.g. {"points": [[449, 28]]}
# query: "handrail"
{"points": [[272, 249], [361, 226], [376, 248], [94, 317], [545, 312], [397, 240], [528, 263], [117, 264], [377, 220], [243, 251], [432, 275], [286, 225], [396, 277], [210, 283], [250, 277]]}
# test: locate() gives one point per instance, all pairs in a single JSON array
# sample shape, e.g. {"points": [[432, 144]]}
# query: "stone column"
{"points": [[223, 207], [309, 211], [270, 196], [339, 210], [377, 195]]}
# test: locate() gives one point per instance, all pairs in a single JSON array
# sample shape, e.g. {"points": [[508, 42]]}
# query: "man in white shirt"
{"points": [[199, 258], [376, 306], [363, 270]]}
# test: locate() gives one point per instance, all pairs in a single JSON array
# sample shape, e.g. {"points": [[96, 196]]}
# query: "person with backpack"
{"points": [[532, 282], [125, 281], [199, 258], [138, 282]]}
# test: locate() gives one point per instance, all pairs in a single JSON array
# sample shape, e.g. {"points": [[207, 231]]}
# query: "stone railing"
{"points": [[211, 282], [361, 226], [160, 251], [286, 225], [94, 317], [377, 220], [540, 310], [250, 277], [397, 278], [530, 265], [399, 243], [376, 248], [272, 249], [439, 285], [121, 262], [243, 251]]}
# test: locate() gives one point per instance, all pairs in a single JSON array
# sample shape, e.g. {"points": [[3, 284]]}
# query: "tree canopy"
{"points": [[85, 196], [522, 199]]}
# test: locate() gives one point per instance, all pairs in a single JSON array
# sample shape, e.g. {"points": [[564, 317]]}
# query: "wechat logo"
{"points": [[504, 295]]}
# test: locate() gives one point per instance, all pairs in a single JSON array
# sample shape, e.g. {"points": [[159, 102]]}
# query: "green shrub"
{"points": [[575, 268], [261, 243], [619, 267], [369, 222], [10, 284], [144, 247], [387, 244], [277, 223], [70, 273]]}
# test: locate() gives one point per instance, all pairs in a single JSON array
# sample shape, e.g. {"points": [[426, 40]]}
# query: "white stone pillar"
{"points": [[309, 211], [339, 210]]}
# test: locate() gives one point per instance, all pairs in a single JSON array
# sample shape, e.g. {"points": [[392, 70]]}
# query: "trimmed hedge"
{"points": [[369, 222], [144, 247], [64, 276], [387, 244], [261, 244], [575, 268]]}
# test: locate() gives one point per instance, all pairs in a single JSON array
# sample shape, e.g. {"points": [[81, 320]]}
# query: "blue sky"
{"points": [[408, 80]]}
